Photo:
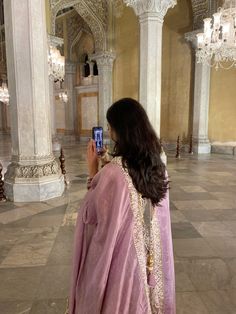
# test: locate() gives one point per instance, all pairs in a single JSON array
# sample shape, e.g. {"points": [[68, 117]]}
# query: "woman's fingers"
{"points": [[92, 147]]}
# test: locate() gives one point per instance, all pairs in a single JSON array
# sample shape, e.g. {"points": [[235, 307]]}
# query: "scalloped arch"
{"points": [[96, 22]]}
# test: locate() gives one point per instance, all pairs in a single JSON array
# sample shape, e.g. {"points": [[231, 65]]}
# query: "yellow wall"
{"points": [[126, 66], [177, 74], [48, 16], [222, 111]]}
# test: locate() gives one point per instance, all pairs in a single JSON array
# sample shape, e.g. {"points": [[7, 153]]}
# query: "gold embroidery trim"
{"points": [[155, 295]]}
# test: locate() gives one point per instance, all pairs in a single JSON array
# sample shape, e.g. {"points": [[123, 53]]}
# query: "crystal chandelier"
{"points": [[130, 2], [63, 97], [217, 44], [56, 64], [4, 94]]}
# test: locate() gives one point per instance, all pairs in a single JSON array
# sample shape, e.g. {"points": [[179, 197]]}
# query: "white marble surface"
{"points": [[105, 62], [36, 239], [27, 64], [201, 109], [35, 191], [151, 15]]}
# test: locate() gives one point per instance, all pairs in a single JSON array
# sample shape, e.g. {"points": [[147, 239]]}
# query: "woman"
{"points": [[123, 259]]}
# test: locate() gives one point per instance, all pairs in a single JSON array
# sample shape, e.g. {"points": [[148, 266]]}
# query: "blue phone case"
{"points": [[97, 134]]}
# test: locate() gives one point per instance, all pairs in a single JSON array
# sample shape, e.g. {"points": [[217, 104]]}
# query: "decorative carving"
{"points": [[41, 158], [36, 171], [95, 24], [59, 32], [94, 12], [75, 24], [201, 10], [118, 7], [83, 30], [55, 41], [192, 37], [54, 2], [98, 7], [104, 58], [153, 6]]}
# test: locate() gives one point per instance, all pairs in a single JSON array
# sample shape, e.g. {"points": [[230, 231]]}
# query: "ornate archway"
{"points": [[94, 12], [202, 9]]}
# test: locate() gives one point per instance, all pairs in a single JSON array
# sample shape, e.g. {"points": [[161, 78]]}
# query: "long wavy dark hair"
{"points": [[138, 145]]}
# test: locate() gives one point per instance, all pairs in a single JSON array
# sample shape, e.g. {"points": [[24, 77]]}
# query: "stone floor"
{"points": [[36, 238]]}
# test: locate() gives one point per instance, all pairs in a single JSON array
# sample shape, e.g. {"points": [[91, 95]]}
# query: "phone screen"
{"points": [[97, 134]]}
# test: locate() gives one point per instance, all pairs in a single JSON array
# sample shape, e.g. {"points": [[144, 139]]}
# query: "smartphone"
{"points": [[97, 135]]}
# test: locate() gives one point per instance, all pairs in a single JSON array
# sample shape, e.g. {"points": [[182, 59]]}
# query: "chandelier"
{"points": [[63, 97], [4, 94], [130, 2], [217, 45], [56, 64]]}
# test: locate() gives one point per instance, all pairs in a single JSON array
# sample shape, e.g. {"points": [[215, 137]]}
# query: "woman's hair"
{"points": [[137, 144]]}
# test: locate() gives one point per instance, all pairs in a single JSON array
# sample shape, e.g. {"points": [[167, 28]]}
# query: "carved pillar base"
{"points": [[33, 183], [202, 147]]}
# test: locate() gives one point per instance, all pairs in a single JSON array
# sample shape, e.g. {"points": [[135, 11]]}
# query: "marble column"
{"points": [[34, 173], [105, 83], [201, 144], [151, 16], [56, 146], [70, 72]]}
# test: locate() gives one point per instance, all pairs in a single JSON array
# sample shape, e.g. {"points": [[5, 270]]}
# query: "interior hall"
{"points": [[62, 65]]}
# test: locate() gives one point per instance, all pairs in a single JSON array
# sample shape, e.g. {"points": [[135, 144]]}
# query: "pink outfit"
{"points": [[109, 275]]}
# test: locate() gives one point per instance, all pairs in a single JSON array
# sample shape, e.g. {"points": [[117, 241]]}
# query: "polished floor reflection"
{"points": [[36, 238]]}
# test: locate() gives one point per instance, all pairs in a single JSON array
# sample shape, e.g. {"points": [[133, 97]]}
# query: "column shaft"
{"points": [[150, 66], [70, 105], [151, 14], [34, 173], [201, 109], [105, 83]]}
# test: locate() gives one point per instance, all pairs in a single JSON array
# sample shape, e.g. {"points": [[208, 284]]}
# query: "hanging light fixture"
{"points": [[4, 94], [130, 2], [217, 44], [63, 96], [56, 64]]}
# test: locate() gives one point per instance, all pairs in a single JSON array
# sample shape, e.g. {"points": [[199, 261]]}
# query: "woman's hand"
{"points": [[104, 156], [92, 158]]}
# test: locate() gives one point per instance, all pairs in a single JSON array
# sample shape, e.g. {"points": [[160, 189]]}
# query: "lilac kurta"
{"points": [[109, 273]]}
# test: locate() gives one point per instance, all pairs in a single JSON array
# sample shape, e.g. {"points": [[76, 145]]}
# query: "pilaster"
{"points": [[105, 62], [70, 71], [201, 144]]}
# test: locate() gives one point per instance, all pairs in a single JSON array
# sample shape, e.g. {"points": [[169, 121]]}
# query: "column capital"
{"points": [[103, 58], [192, 37], [152, 7], [55, 41]]}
